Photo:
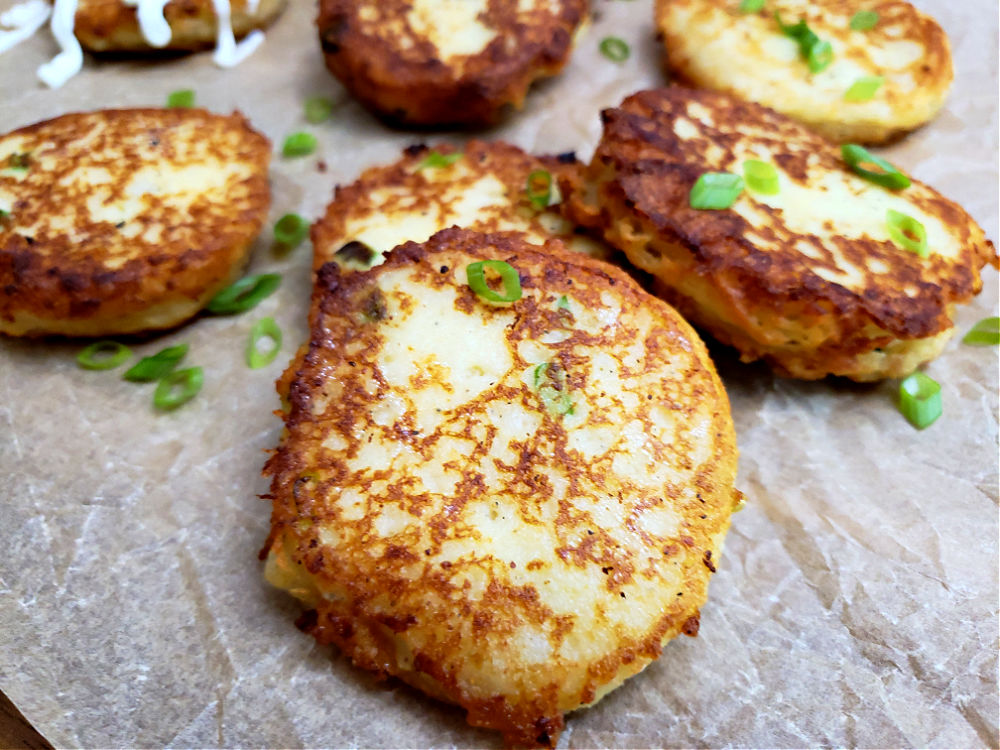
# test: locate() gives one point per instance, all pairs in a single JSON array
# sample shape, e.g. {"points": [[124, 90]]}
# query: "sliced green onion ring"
{"points": [[864, 20], [887, 177], [984, 333], [761, 177], [244, 294], [751, 6], [265, 328], [615, 49], [103, 355], [178, 388], [907, 232], [436, 160], [550, 383], [19, 161], [181, 99], [715, 190], [820, 56], [539, 188], [290, 230], [318, 109], [920, 400], [563, 302], [357, 252], [157, 366], [298, 144], [817, 53], [476, 275], [864, 89]]}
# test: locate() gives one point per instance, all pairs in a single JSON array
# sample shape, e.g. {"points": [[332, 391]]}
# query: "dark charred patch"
{"points": [[357, 252]]}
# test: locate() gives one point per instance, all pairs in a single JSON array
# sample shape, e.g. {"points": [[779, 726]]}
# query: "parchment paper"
{"points": [[856, 603]]}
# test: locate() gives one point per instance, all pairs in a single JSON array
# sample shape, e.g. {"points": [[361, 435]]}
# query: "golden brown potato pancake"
{"points": [[511, 507], [121, 221], [712, 44], [446, 62], [113, 25], [484, 187], [809, 278]]}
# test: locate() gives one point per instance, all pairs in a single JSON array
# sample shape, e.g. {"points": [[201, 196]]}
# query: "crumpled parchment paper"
{"points": [[856, 603]]}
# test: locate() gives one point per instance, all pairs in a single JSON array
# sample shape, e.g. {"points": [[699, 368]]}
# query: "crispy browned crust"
{"points": [[76, 275], [376, 601], [410, 192], [400, 75], [777, 305], [113, 26], [932, 73]]}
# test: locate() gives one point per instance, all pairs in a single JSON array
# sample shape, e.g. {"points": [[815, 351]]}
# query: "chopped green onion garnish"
{"points": [[157, 366], [539, 188], [907, 232], [751, 6], [299, 144], [920, 399], [265, 328], [178, 388], [318, 109], [244, 294], [550, 382], [358, 252], [103, 355], [984, 333], [761, 176], [888, 176], [818, 53], [614, 48], [435, 159], [182, 98], [476, 275], [863, 89], [19, 161], [290, 230], [563, 302], [716, 190], [864, 20]]}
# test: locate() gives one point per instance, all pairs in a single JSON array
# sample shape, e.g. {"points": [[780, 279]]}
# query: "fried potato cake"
{"points": [[511, 507], [810, 278], [116, 25], [446, 62], [488, 187], [120, 221], [713, 45]]}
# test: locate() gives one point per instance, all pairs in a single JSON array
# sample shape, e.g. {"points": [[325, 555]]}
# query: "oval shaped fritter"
{"points": [[712, 44], [484, 187], [511, 507], [809, 278], [113, 25], [445, 62], [121, 221]]}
